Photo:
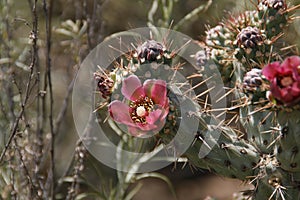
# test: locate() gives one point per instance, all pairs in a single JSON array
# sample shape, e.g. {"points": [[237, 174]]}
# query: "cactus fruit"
{"points": [[274, 16], [254, 85], [275, 4], [250, 43], [249, 37], [150, 51], [104, 84]]}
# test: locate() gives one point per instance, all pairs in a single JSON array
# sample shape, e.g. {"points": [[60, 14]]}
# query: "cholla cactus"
{"points": [[268, 98], [265, 152], [248, 37]]}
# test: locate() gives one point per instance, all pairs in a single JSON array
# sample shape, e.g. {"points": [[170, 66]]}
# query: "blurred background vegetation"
{"points": [[42, 46]]}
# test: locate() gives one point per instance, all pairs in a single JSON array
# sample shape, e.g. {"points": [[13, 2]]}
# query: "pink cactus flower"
{"points": [[147, 108], [284, 80]]}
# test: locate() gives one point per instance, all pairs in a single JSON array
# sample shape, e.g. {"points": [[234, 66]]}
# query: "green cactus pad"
{"points": [[288, 146]]}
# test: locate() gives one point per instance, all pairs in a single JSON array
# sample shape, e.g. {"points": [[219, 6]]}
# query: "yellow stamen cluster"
{"points": [[140, 109]]}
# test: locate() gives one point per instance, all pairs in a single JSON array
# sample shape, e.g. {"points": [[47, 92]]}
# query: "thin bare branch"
{"points": [[34, 37], [48, 16]]}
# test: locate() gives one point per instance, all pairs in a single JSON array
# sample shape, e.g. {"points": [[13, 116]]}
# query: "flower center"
{"points": [[286, 81], [140, 109]]}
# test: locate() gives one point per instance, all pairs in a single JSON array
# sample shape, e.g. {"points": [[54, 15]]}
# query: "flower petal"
{"points": [[135, 131], [142, 132], [153, 116], [271, 70], [286, 96], [165, 113], [276, 91], [291, 62], [132, 88], [157, 91], [119, 111], [295, 89]]}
